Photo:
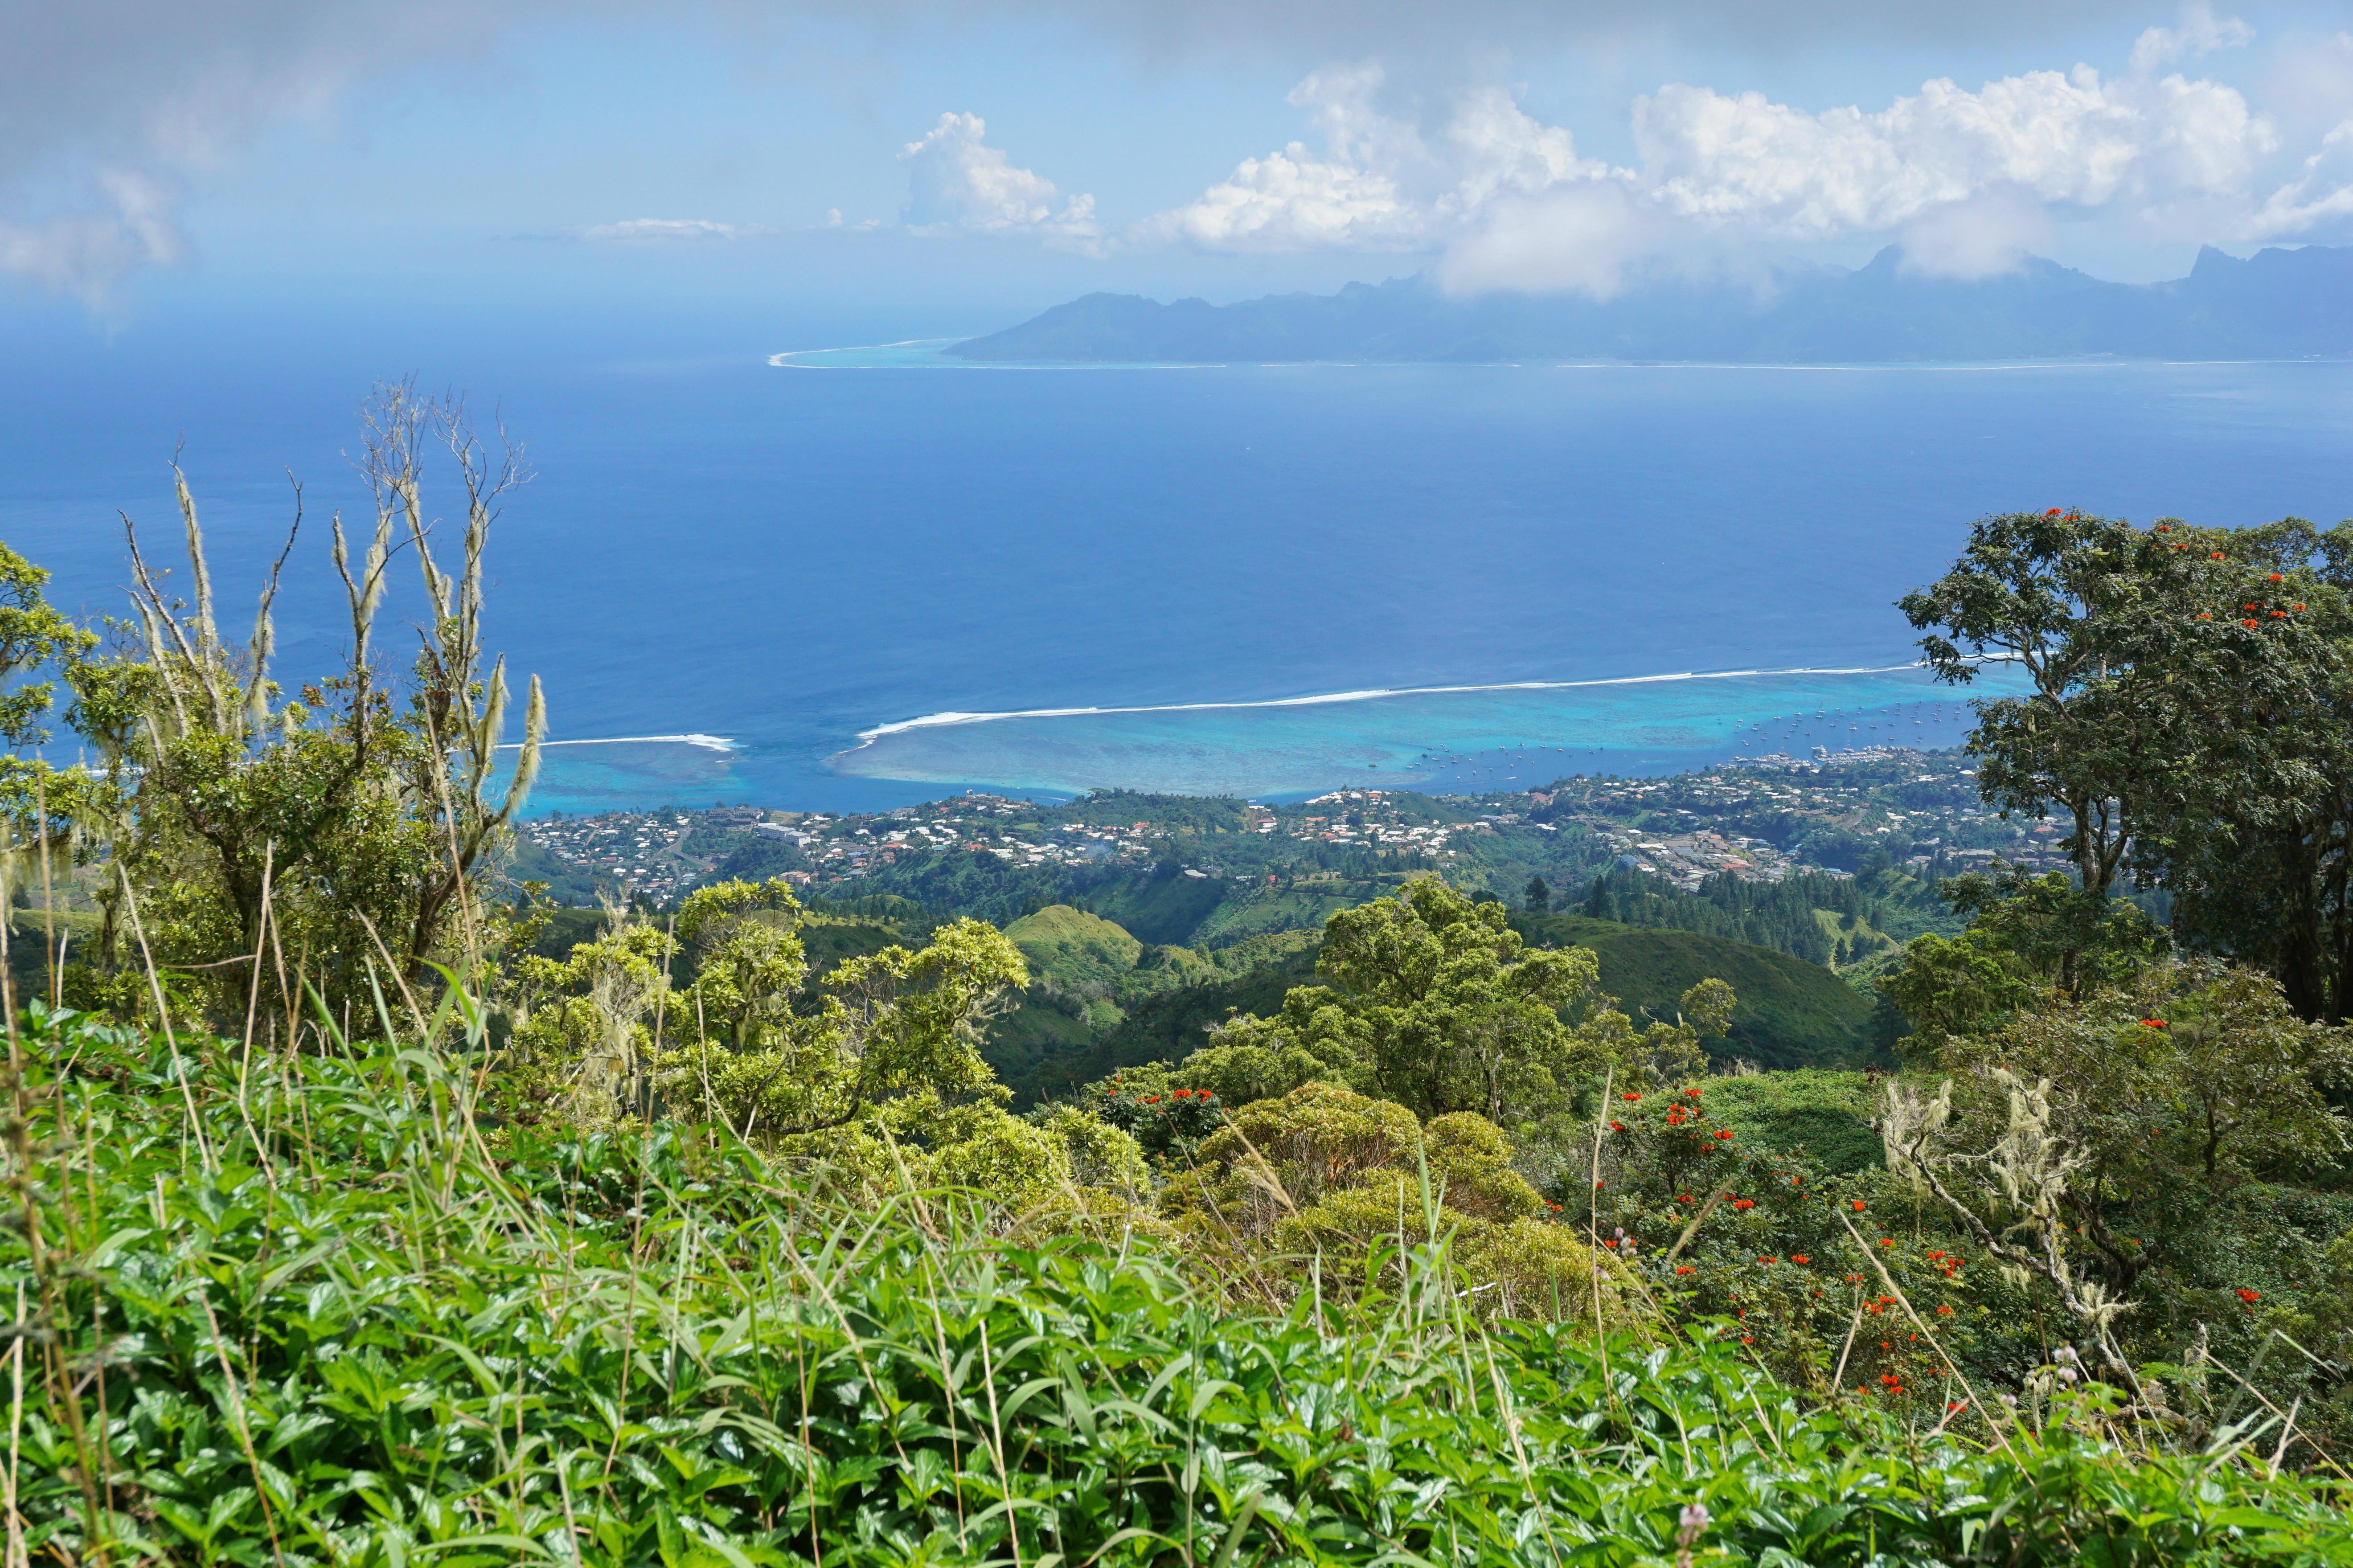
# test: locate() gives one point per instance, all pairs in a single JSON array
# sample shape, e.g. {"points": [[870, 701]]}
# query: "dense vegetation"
{"points": [[364, 1213]]}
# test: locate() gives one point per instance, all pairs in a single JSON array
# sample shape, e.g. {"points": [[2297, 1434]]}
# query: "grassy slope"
{"points": [[1792, 1013], [1172, 1025], [335, 1328], [1073, 947], [1819, 1111], [1160, 908]]}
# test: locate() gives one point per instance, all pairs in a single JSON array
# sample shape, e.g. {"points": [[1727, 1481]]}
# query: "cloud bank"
{"points": [[1966, 180]]}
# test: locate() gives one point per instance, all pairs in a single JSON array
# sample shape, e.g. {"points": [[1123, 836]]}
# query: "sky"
{"points": [[957, 164]]}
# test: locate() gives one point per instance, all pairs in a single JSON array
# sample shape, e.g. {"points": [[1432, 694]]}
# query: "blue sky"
{"points": [[960, 163]]}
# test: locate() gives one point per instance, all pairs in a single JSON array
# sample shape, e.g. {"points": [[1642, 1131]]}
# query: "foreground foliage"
{"points": [[289, 1309]]}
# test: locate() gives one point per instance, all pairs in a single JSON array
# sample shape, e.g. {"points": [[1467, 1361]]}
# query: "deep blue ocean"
{"points": [[788, 558]]}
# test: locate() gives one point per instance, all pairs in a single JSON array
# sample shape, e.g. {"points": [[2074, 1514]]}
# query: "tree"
{"points": [[2034, 588], [2026, 936], [1538, 897], [1597, 905], [1434, 1001], [37, 802], [894, 1041], [2192, 714], [263, 841]]}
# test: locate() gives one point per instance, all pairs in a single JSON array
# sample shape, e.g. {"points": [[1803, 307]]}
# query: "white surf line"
{"points": [[792, 359], [708, 743], [932, 720], [787, 360]]}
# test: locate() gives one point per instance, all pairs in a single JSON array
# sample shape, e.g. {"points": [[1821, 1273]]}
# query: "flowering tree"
{"points": [[2192, 715]]}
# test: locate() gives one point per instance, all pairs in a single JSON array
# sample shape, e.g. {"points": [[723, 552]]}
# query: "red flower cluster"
{"points": [[1800, 1257], [1723, 1132], [1858, 1205], [1768, 1260], [1743, 1205], [2152, 1023], [1629, 1097], [2249, 1296], [1683, 1267]]}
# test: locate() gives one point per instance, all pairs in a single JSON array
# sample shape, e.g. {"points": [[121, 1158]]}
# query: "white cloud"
{"points": [[957, 182], [88, 253], [1582, 236], [1377, 184], [660, 230], [2322, 190], [2071, 140], [2201, 33]]}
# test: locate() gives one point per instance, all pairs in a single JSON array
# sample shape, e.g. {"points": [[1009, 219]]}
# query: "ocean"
{"points": [[852, 580]]}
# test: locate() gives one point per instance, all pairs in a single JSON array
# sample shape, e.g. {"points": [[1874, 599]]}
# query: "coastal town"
{"points": [[1763, 820]]}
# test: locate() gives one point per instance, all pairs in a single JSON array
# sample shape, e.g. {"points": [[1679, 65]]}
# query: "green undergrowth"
{"points": [[307, 1312]]}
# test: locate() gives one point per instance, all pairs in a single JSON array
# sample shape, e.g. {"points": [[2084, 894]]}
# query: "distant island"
{"points": [[2279, 304]]}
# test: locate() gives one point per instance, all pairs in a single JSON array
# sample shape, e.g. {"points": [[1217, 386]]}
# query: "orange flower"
{"points": [[1858, 1205], [2248, 624], [2145, 1023], [2277, 578], [2052, 512], [1800, 1257]]}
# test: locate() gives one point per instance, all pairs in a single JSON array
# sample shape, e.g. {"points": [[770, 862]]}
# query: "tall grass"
{"points": [[288, 1309]]}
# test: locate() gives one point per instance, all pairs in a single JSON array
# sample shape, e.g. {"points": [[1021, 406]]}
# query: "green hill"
{"points": [[1073, 947], [1172, 1025], [1791, 1014]]}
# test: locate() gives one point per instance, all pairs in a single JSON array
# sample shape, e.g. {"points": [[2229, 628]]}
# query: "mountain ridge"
{"points": [[2278, 304]]}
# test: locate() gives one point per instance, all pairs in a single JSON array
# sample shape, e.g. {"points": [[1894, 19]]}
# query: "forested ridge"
{"points": [[1311, 1185]]}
